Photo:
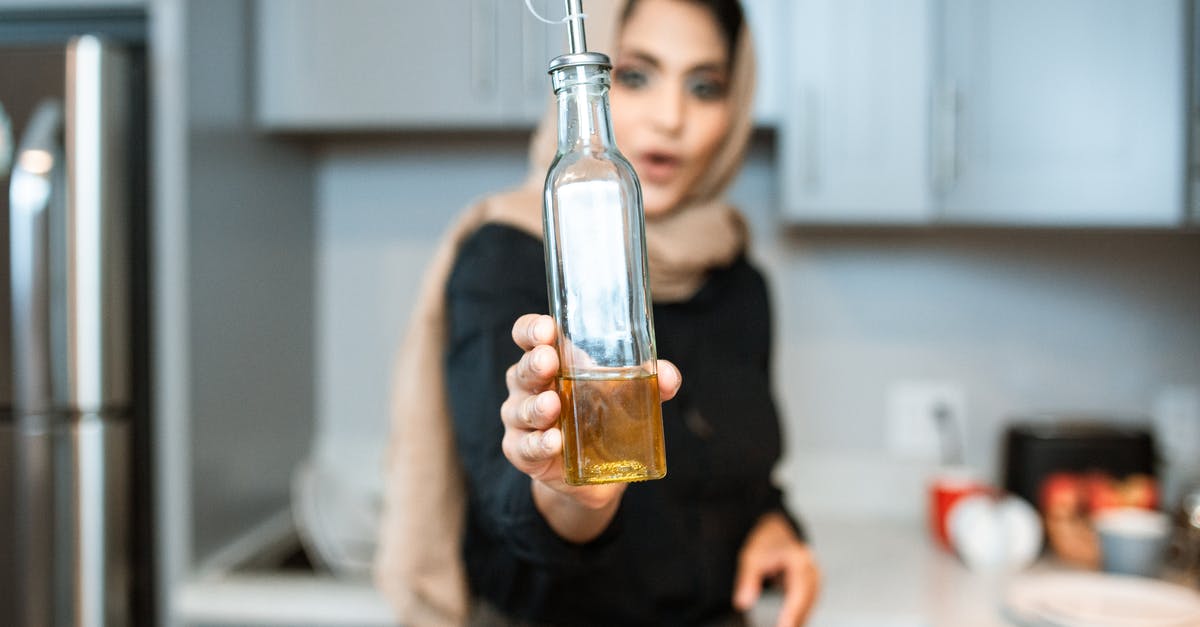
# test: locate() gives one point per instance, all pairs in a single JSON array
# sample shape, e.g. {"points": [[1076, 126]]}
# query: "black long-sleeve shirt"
{"points": [[670, 555]]}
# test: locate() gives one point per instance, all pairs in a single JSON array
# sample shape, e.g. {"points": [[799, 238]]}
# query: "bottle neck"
{"points": [[584, 122]]}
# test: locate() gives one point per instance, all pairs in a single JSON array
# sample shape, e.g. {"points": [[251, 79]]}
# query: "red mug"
{"points": [[948, 487]]}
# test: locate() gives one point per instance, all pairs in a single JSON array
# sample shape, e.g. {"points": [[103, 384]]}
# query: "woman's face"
{"points": [[669, 97]]}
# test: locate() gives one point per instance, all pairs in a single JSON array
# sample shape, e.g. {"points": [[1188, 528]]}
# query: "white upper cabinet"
{"points": [[370, 64], [344, 65], [854, 140], [769, 26], [1063, 112], [1020, 112]]}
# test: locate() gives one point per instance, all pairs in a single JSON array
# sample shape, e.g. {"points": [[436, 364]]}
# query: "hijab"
{"points": [[419, 566]]}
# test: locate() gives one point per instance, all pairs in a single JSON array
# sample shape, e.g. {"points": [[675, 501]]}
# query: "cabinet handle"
{"points": [[483, 49], [947, 163], [812, 138]]}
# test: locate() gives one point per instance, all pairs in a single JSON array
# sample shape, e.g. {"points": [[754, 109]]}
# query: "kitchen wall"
{"points": [[1024, 321]]}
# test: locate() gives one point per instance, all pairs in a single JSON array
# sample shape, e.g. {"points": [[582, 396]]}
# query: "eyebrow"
{"points": [[651, 60]]}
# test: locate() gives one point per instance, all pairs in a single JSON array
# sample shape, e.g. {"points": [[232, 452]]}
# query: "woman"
{"points": [[693, 548]]}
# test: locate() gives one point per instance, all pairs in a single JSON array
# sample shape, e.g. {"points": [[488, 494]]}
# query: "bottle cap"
{"points": [[582, 58]]}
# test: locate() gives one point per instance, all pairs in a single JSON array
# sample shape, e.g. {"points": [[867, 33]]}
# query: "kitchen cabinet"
{"points": [[329, 65], [1070, 113], [1065, 112], [333, 65], [854, 145]]}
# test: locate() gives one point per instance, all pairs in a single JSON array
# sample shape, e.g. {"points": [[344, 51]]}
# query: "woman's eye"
{"points": [[630, 78], [706, 89]]}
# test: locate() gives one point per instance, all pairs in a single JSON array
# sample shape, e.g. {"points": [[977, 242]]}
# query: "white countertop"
{"points": [[875, 573], [889, 573]]}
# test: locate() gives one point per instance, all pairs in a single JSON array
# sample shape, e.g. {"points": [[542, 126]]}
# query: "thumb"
{"points": [[747, 588]]}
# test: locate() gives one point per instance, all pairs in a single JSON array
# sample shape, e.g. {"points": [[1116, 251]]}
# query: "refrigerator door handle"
{"points": [[36, 197], [36, 200], [97, 325]]}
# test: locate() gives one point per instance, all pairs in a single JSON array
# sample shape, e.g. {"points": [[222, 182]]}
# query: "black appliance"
{"points": [[1036, 449]]}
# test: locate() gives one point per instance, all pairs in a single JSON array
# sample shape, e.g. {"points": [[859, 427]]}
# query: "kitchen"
{"points": [[278, 306]]}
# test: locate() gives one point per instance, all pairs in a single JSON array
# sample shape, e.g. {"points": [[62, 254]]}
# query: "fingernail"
{"points": [[549, 439], [539, 405]]}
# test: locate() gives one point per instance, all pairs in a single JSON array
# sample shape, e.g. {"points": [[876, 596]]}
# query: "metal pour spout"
{"points": [[575, 32]]}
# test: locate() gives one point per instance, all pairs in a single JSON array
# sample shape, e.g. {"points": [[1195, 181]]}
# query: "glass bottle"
{"points": [[599, 290]]}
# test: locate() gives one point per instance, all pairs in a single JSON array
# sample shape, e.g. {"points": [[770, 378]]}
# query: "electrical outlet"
{"points": [[926, 421], [1177, 422]]}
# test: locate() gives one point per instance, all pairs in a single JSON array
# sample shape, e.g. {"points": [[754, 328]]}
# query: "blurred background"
{"points": [[976, 216]]}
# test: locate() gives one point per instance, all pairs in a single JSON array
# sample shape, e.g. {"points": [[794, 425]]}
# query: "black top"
{"points": [[670, 555]]}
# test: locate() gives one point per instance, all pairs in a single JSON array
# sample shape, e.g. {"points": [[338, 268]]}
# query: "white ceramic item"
{"points": [[995, 535], [1099, 600]]}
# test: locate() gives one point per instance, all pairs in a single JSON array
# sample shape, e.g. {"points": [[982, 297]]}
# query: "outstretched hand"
{"points": [[773, 551], [533, 442]]}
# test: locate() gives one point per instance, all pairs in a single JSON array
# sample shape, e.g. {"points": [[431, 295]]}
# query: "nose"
{"points": [[670, 109]]}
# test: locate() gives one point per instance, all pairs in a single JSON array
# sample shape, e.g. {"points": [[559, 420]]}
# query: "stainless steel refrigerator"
{"points": [[75, 510]]}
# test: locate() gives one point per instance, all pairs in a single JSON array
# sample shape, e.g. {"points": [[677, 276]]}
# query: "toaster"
{"points": [[1037, 448]]}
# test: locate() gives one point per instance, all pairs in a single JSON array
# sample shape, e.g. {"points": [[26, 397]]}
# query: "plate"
{"points": [[336, 519], [1101, 600]]}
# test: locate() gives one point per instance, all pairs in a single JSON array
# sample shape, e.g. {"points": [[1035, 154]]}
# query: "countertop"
{"points": [[876, 573], [891, 574]]}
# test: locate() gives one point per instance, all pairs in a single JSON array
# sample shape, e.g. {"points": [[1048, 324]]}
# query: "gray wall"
{"points": [[250, 279], [1024, 321]]}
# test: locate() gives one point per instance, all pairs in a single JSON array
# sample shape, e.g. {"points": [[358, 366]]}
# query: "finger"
{"points": [[669, 380], [534, 372], [800, 582], [536, 411], [533, 330], [528, 449], [748, 585]]}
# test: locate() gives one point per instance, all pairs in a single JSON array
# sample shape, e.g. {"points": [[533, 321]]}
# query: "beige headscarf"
{"points": [[419, 566]]}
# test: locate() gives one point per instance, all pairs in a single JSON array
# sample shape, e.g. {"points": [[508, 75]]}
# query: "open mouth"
{"points": [[658, 167]]}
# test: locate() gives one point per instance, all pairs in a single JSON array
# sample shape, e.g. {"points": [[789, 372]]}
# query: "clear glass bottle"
{"points": [[599, 289]]}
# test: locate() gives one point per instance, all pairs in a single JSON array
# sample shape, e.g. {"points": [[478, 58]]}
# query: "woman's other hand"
{"points": [[773, 551], [533, 442]]}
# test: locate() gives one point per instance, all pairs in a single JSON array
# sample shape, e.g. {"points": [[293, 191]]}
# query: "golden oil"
{"points": [[612, 429]]}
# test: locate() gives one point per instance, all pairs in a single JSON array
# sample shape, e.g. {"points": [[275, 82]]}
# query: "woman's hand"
{"points": [[533, 442], [772, 550]]}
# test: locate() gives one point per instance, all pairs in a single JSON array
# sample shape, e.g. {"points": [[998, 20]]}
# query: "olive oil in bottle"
{"points": [[598, 286], [612, 429]]}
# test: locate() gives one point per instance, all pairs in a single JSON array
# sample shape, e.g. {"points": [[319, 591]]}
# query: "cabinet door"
{"points": [[768, 22], [1062, 112], [539, 43], [378, 63], [854, 134]]}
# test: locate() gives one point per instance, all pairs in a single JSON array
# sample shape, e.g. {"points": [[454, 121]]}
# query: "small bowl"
{"points": [[1132, 541]]}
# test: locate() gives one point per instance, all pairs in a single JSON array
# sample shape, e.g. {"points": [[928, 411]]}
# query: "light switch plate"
{"points": [[926, 421]]}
